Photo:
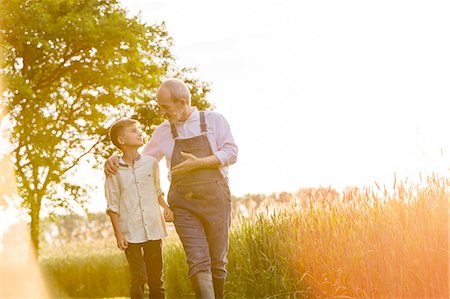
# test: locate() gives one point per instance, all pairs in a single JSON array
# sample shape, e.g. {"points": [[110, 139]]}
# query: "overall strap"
{"points": [[202, 122], [174, 130]]}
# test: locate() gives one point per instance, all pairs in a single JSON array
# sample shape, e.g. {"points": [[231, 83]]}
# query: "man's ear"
{"points": [[183, 101]]}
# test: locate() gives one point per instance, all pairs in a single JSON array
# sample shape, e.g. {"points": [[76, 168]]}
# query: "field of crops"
{"points": [[374, 244]]}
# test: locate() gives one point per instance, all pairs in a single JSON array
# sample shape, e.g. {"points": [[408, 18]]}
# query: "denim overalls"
{"points": [[201, 202]]}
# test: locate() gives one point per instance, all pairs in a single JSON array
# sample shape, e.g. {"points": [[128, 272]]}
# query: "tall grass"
{"points": [[375, 244], [92, 269]]}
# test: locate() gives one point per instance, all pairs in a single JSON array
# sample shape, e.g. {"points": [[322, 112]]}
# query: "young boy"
{"points": [[132, 196]]}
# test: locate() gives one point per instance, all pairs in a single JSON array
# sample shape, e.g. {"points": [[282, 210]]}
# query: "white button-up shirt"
{"points": [[133, 194], [219, 135]]}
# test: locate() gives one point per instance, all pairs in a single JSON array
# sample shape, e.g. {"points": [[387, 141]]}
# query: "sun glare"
{"points": [[18, 263]]}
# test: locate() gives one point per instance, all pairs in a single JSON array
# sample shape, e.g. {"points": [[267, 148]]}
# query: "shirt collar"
{"points": [[123, 163], [195, 115]]}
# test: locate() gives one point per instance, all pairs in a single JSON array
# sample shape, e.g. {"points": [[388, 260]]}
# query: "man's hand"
{"points": [[121, 242], [168, 215], [191, 163], [112, 165]]}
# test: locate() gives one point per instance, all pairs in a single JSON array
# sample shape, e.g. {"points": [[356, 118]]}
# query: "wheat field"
{"points": [[376, 243]]}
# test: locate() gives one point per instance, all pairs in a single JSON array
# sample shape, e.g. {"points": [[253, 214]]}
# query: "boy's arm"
{"points": [[112, 194], [121, 242], [168, 214], [156, 180], [162, 202]]}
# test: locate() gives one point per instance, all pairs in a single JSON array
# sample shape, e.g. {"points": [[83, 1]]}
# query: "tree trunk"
{"points": [[34, 226]]}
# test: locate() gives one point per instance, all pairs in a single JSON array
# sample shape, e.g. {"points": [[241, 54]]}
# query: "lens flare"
{"points": [[19, 269]]}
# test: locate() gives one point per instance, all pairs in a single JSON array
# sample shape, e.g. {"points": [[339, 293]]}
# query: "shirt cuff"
{"points": [[222, 157], [112, 209], [159, 192]]}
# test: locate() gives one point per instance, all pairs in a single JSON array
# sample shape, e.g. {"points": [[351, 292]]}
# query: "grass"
{"points": [[375, 244]]}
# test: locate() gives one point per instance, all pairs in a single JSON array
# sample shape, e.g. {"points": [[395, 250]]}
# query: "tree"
{"points": [[69, 69]]}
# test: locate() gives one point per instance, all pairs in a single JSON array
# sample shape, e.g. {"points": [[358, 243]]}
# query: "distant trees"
{"points": [[255, 203]]}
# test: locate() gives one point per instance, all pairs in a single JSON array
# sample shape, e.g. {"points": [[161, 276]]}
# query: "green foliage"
{"points": [[70, 68]]}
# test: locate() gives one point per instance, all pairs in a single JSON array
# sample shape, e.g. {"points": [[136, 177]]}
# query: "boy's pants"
{"points": [[146, 267]]}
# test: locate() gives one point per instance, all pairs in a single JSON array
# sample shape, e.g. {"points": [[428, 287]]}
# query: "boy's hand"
{"points": [[168, 215], [112, 165], [121, 242]]}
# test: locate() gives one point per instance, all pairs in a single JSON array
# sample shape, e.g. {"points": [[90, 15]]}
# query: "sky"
{"points": [[317, 93], [320, 93]]}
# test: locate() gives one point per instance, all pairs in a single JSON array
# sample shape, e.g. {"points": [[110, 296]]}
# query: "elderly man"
{"points": [[199, 147]]}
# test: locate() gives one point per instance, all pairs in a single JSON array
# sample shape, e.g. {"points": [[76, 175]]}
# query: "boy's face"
{"points": [[131, 136]]}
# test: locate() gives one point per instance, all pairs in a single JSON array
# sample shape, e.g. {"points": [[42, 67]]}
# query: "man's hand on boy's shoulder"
{"points": [[112, 165], [168, 215]]}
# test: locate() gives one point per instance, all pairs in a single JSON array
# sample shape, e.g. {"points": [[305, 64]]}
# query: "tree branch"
{"points": [[47, 180], [80, 157], [72, 111], [25, 181]]}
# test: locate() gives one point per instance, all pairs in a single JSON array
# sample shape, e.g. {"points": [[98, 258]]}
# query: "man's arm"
{"points": [[111, 165], [153, 147], [227, 150], [192, 162], [225, 155]]}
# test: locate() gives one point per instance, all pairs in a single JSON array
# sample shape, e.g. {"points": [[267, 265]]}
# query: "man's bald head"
{"points": [[177, 89]]}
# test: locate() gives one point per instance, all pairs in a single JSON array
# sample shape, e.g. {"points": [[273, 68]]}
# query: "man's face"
{"points": [[131, 136], [170, 109]]}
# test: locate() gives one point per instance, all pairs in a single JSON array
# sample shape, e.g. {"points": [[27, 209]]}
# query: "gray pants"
{"points": [[202, 220]]}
